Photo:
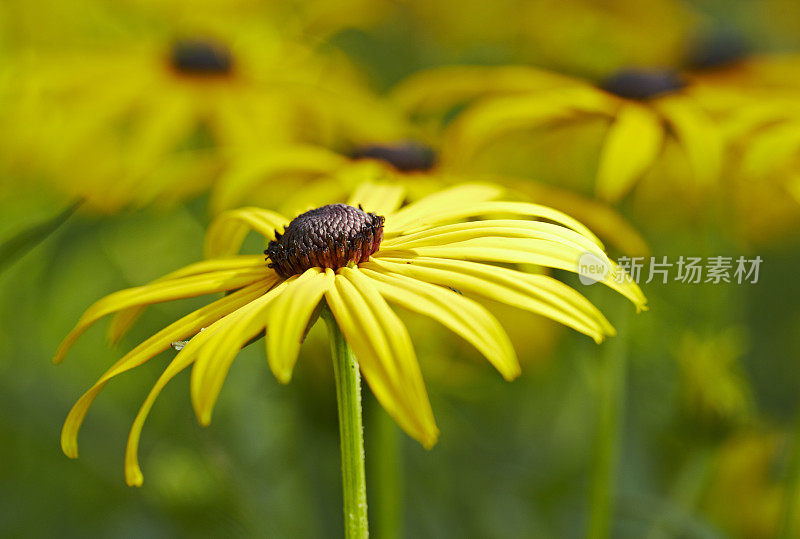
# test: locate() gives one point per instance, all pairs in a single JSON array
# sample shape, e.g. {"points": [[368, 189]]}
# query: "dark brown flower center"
{"points": [[328, 237], [197, 57], [642, 84], [405, 156]]}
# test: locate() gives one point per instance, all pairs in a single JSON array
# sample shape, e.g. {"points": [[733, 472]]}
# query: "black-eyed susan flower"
{"points": [[436, 256], [645, 110], [293, 178], [140, 118]]}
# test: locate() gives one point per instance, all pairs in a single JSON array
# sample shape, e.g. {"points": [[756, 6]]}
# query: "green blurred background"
{"points": [[708, 392]]}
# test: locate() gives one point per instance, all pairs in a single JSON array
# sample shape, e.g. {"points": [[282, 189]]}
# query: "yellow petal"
{"points": [[227, 232], [381, 199], [133, 474], [535, 230], [496, 117], [439, 89], [447, 199], [385, 354], [186, 326], [599, 217], [507, 250], [771, 150], [217, 354], [186, 287], [516, 251], [463, 316], [631, 146], [697, 135], [463, 211], [540, 294], [123, 320], [287, 321]]}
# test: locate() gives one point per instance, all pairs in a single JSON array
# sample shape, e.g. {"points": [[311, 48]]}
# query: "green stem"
{"points": [[386, 465], [351, 432], [17, 246], [611, 404], [788, 519]]}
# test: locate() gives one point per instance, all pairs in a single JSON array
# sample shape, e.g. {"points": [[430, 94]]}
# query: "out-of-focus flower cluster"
{"points": [[667, 127]]}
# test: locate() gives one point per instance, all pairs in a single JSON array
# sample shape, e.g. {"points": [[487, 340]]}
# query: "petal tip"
{"points": [[134, 477]]}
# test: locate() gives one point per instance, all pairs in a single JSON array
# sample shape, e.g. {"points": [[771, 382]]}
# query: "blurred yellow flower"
{"points": [[754, 100], [139, 118], [645, 108], [297, 177], [415, 256]]}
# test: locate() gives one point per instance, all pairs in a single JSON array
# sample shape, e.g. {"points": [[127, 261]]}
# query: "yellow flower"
{"points": [[296, 177], [645, 109], [139, 119], [430, 257], [754, 100]]}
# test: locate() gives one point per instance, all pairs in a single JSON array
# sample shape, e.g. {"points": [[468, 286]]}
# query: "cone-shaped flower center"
{"points": [[405, 156], [328, 237], [197, 57], [717, 50], [642, 83]]}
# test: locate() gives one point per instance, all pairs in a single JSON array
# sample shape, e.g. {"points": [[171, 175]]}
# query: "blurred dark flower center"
{"points": [[198, 57], [720, 49], [642, 83], [328, 237], [404, 156]]}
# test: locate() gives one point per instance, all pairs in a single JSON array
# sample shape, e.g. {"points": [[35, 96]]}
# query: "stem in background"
{"points": [[611, 406], [385, 470], [786, 529], [17, 246], [351, 432]]}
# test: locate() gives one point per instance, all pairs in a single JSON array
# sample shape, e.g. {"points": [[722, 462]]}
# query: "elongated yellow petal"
{"points": [[186, 326], [215, 358], [450, 199], [463, 316], [493, 118], [510, 228], [631, 146], [599, 217], [771, 150], [227, 232], [508, 250], [517, 251], [123, 320], [381, 199], [186, 287], [437, 90], [287, 321], [133, 474], [478, 209], [385, 354], [540, 294], [697, 135], [793, 186]]}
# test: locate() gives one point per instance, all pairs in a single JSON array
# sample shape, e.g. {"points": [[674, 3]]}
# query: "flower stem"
{"points": [[348, 397], [611, 405], [16, 247], [386, 463], [786, 524]]}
